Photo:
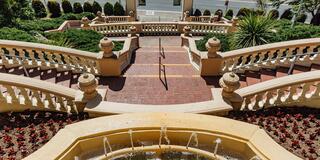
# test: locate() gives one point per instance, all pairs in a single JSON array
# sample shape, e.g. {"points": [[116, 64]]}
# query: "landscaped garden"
{"points": [[296, 129], [23, 133]]}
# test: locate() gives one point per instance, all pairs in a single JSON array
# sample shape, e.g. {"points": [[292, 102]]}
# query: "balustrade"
{"points": [[272, 55], [296, 90], [32, 55], [20, 93]]}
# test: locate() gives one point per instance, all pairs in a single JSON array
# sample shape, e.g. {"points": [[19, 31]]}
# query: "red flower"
{"points": [[20, 137], [295, 144], [7, 139], [312, 150], [312, 136], [6, 128], [309, 143], [282, 138], [300, 136], [298, 116]]}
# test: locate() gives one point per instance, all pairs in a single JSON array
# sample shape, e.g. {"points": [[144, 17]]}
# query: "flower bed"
{"points": [[296, 129], [23, 133]]}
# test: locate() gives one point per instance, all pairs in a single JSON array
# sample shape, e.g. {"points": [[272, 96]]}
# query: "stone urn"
{"points": [[88, 84], [131, 14], [133, 30], [213, 46], [229, 82], [106, 45], [187, 31]]}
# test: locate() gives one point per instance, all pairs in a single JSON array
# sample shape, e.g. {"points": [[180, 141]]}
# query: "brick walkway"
{"points": [[141, 84]]}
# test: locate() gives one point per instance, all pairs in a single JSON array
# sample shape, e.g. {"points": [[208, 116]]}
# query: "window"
{"points": [[142, 2], [176, 2]]}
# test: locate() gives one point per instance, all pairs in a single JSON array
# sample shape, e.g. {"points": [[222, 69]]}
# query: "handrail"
{"points": [[18, 93], [293, 89]]}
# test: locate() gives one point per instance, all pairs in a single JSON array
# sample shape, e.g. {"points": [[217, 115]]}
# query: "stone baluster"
{"points": [[305, 90], [2, 97], [4, 59], [12, 94], [229, 83], [36, 95], [25, 96], [33, 59]]}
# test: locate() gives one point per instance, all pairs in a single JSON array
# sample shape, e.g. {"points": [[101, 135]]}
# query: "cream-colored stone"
{"points": [[187, 31], [88, 84], [213, 46], [106, 45]]}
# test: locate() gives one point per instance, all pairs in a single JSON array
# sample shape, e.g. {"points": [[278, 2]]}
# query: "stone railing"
{"points": [[272, 55], [19, 93], [296, 90], [203, 19], [282, 54], [32, 55], [117, 19], [67, 25], [208, 136]]}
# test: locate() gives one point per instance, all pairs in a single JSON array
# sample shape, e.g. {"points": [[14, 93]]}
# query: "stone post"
{"points": [[230, 83], [187, 31], [106, 46], [186, 16], [88, 84], [132, 16], [85, 23], [214, 18], [133, 31], [234, 24], [213, 46]]}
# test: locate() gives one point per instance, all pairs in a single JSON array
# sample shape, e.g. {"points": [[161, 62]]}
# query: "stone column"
{"points": [[133, 31], [132, 17], [106, 46], [186, 16], [85, 23], [131, 5], [187, 6], [234, 24], [88, 84], [213, 46]]}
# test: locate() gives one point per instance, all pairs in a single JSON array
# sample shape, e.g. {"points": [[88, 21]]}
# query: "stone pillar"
{"points": [[234, 24], [88, 84], [106, 46], [187, 31], [132, 17], [133, 31], [213, 46], [85, 23], [131, 5], [186, 16], [230, 83], [187, 6]]}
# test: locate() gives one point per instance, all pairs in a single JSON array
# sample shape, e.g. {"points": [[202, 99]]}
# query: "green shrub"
{"points": [[274, 14], [54, 8], [118, 9], [15, 34], [117, 45], [77, 8], [224, 40], [316, 19], [87, 7], [287, 14], [86, 40], [39, 24], [28, 13], [70, 16], [259, 12], [206, 13], [66, 6], [243, 12], [39, 8], [96, 7], [229, 13], [108, 9], [197, 12], [89, 15], [219, 12], [253, 30], [301, 18]]}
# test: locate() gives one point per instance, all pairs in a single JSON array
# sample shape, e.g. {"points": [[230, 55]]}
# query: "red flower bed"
{"points": [[25, 132], [296, 129]]}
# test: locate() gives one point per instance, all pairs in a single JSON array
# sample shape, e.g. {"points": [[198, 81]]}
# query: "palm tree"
{"points": [[253, 30]]}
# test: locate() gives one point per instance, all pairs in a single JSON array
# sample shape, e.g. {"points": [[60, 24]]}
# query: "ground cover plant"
{"points": [[23, 133], [296, 129]]}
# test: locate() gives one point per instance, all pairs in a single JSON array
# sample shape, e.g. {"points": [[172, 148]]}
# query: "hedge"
{"points": [[66, 6], [96, 7], [39, 8], [197, 12], [229, 13], [54, 8], [287, 14], [301, 18], [16, 34], [77, 8], [206, 13], [87, 7], [243, 12], [118, 9], [108, 9]]}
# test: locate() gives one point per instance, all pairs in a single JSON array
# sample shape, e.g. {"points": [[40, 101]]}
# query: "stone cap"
{"points": [[106, 42], [213, 42], [231, 79], [86, 80]]}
